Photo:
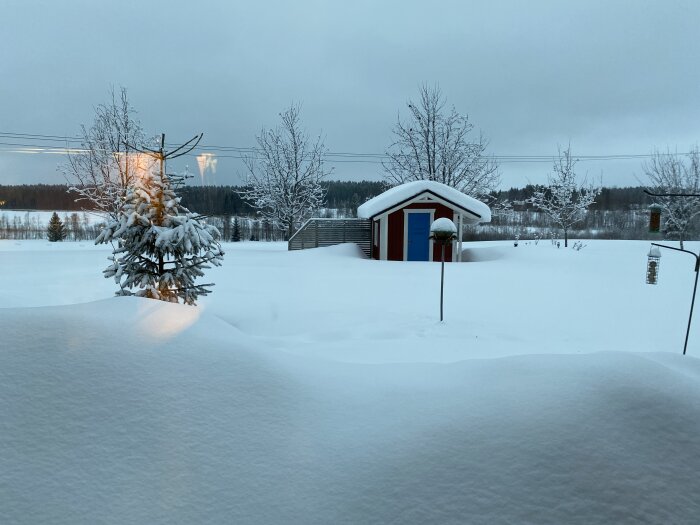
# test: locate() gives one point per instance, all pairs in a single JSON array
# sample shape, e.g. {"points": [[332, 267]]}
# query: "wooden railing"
{"points": [[316, 233]]}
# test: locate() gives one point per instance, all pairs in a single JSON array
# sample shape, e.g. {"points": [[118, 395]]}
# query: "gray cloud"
{"points": [[610, 77]]}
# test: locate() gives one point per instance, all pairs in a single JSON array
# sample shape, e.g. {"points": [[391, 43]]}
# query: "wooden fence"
{"points": [[316, 233]]}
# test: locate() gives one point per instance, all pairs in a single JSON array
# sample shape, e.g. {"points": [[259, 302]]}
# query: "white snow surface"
{"points": [[400, 193], [318, 387]]}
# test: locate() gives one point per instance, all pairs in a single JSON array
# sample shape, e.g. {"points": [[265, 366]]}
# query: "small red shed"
{"points": [[401, 219]]}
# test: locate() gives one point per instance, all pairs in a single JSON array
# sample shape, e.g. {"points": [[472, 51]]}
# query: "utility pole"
{"points": [[161, 156]]}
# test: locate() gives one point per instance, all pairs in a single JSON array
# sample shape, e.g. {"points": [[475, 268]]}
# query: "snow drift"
{"points": [[171, 415], [555, 391]]}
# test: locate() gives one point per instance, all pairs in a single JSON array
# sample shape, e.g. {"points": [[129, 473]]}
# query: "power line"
{"points": [[23, 148], [42, 143]]}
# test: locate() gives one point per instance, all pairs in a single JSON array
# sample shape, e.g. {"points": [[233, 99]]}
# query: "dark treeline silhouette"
{"points": [[225, 200], [207, 200], [346, 195], [215, 200], [619, 213], [39, 197], [612, 199]]}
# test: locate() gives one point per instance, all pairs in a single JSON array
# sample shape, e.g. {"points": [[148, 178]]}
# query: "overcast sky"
{"points": [[610, 77]]}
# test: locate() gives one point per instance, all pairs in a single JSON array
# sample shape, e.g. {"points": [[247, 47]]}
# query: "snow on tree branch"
{"points": [[672, 173], [435, 144], [285, 174], [563, 199], [104, 166], [162, 248]]}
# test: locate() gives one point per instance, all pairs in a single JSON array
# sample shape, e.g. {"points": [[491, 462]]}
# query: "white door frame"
{"points": [[405, 230]]}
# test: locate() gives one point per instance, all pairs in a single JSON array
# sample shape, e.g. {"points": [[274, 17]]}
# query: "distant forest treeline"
{"points": [[613, 199], [344, 196], [619, 213], [208, 200]]}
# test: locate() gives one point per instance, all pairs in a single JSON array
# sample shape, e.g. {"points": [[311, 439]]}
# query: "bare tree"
{"points": [[563, 199], [435, 144], [284, 176], [104, 166], [670, 173]]}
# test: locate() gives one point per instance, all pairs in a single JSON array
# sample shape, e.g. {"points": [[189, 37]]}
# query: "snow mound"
{"points": [[348, 249], [135, 411], [485, 253], [443, 224]]}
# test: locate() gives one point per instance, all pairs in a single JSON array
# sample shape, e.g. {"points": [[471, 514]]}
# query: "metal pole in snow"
{"points": [[692, 303], [695, 287], [442, 278]]}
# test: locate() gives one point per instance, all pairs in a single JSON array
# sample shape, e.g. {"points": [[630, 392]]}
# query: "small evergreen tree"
{"points": [[161, 247], [236, 237], [56, 231]]}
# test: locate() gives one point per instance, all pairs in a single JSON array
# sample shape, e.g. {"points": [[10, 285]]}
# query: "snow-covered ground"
{"points": [[319, 387]]}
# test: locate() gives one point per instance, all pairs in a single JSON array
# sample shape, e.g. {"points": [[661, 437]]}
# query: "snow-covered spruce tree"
{"points": [[161, 248], [56, 230], [563, 199], [672, 173], [284, 176]]}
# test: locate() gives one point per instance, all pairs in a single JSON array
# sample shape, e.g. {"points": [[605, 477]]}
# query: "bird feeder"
{"points": [[654, 219], [443, 231], [653, 260]]}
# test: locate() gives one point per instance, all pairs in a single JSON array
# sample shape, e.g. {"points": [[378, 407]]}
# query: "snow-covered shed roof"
{"points": [[405, 192]]}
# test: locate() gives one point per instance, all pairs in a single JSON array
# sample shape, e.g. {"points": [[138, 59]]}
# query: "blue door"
{"points": [[417, 237]]}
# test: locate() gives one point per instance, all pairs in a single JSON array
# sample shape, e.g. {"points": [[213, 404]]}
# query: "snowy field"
{"points": [[319, 387]]}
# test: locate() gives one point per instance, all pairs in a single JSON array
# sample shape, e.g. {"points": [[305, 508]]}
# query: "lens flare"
{"points": [[206, 162]]}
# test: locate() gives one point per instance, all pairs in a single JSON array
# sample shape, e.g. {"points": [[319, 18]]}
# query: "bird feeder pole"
{"points": [[653, 224], [442, 278], [695, 287], [444, 232]]}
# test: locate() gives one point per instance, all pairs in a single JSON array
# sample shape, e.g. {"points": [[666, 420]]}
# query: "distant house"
{"points": [[400, 220]]}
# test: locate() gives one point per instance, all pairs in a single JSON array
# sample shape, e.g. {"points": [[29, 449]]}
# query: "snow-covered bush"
{"points": [[161, 248]]}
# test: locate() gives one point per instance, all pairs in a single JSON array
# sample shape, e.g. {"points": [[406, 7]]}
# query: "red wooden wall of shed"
{"points": [[396, 225]]}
